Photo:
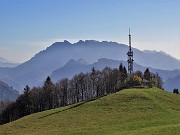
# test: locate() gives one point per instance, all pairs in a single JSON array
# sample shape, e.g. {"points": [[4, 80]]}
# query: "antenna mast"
{"points": [[130, 56]]}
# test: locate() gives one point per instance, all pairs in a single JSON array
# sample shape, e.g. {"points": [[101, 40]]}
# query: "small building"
{"points": [[146, 82]]}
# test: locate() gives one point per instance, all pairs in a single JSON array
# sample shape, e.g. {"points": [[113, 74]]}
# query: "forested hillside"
{"points": [[82, 87], [128, 112]]}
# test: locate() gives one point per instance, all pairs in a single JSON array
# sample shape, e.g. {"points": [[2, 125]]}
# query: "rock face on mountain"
{"points": [[7, 93], [34, 71]]}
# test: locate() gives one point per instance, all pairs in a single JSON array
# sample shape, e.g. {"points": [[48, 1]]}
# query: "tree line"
{"points": [[82, 87]]}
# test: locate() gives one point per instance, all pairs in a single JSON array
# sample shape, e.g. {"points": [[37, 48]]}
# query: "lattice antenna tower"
{"points": [[130, 56]]}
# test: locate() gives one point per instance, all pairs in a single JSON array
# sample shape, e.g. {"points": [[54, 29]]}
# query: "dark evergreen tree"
{"points": [[176, 91], [26, 89], [147, 74], [122, 76], [121, 70], [48, 89]]}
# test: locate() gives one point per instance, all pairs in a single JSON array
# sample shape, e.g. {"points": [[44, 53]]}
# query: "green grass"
{"points": [[128, 112]]}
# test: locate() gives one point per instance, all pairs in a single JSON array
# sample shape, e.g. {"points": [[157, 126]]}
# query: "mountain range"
{"points": [[73, 67], [57, 58]]}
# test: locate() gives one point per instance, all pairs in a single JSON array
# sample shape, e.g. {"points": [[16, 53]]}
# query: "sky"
{"points": [[29, 26]]}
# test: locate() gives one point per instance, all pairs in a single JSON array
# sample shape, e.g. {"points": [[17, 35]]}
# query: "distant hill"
{"points": [[7, 93], [128, 112], [73, 67], [173, 83], [34, 71], [7, 63]]}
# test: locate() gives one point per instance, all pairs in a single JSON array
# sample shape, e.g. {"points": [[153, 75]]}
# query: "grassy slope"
{"points": [[128, 112]]}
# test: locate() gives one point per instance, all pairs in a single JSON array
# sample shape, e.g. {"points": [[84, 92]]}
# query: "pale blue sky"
{"points": [[29, 26]]}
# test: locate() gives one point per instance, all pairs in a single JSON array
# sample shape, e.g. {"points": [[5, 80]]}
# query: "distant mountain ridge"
{"points": [[161, 52], [6, 63], [91, 51], [34, 71], [3, 59], [173, 83]]}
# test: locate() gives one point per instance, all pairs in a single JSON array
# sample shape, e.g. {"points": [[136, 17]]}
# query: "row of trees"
{"points": [[81, 87], [149, 79], [176, 91]]}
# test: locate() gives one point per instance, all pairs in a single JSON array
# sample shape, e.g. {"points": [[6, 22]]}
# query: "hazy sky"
{"points": [[29, 26]]}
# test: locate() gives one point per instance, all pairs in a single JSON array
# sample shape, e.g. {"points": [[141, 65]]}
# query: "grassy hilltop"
{"points": [[128, 112]]}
